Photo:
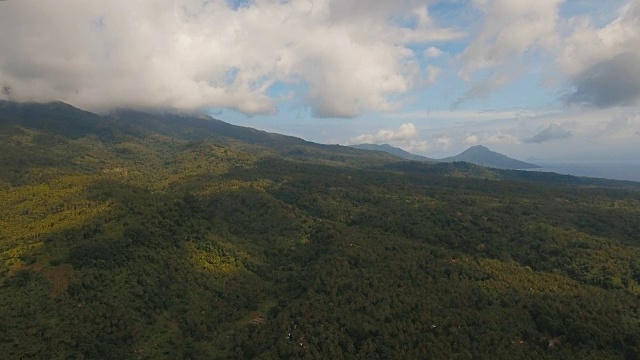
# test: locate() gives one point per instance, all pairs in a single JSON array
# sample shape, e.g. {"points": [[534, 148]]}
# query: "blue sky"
{"points": [[551, 79]]}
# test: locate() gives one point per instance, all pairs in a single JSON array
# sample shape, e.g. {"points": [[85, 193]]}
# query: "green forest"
{"points": [[159, 236]]}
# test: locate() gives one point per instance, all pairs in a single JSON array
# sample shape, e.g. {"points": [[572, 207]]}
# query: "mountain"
{"points": [[161, 236], [160, 134], [478, 155], [481, 155], [393, 151]]}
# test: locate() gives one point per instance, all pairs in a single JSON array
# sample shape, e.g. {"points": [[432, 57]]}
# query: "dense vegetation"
{"points": [[140, 236]]}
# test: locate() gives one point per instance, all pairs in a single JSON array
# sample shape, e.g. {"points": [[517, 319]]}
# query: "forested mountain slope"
{"points": [[393, 151], [139, 236]]}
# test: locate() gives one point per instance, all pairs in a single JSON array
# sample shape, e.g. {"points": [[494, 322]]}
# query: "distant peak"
{"points": [[478, 149], [481, 155]]}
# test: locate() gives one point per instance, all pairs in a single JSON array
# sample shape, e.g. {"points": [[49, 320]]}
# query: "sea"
{"points": [[617, 169]]}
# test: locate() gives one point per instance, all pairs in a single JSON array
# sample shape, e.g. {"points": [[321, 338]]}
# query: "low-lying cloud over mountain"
{"points": [[338, 58]]}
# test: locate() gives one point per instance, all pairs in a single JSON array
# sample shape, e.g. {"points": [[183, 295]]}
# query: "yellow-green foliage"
{"points": [[31, 211], [510, 276], [212, 260]]}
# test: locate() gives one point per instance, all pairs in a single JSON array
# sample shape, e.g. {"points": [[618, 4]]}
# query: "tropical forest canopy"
{"points": [[146, 236]]}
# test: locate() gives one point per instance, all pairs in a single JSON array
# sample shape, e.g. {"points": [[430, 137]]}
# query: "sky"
{"points": [[544, 79]]}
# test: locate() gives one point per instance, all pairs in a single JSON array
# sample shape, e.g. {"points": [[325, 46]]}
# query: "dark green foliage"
{"points": [[140, 237]]}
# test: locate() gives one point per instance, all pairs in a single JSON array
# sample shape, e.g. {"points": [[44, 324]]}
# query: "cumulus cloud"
{"points": [[510, 29], [405, 136], [433, 52], [552, 132], [603, 64], [599, 64], [471, 140], [406, 131], [612, 82], [345, 57]]}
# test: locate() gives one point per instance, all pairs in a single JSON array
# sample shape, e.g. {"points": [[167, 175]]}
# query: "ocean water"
{"points": [[617, 170]]}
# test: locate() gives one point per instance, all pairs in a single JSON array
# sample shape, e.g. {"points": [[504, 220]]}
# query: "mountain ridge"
{"points": [[478, 155], [393, 151]]}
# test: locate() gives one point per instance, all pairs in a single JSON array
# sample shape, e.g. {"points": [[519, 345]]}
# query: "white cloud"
{"points": [[510, 29], [603, 63], [405, 132], [511, 32], [471, 140], [600, 63], [350, 57], [406, 136], [433, 52]]}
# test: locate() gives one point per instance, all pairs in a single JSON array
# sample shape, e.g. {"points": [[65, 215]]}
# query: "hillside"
{"points": [[145, 236], [160, 133], [393, 151]]}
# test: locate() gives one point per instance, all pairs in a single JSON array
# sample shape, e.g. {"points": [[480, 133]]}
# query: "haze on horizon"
{"points": [[552, 79]]}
